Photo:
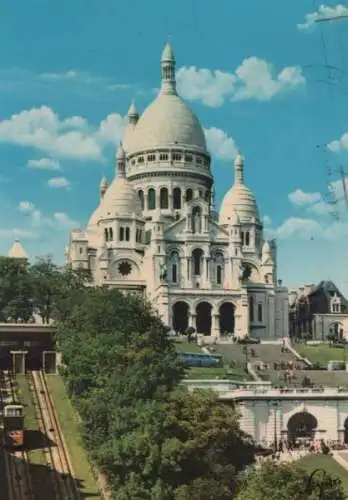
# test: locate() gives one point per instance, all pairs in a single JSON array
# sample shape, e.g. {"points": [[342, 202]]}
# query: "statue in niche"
{"points": [[244, 272], [196, 220], [163, 272]]}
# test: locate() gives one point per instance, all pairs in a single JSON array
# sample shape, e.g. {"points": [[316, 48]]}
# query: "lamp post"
{"points": [[246, 352], [309, 487]]}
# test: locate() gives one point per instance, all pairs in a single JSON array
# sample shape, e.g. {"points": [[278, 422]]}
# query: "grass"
{"points": [[69, 423], [321, 353], [188, 347], [326, 462]]}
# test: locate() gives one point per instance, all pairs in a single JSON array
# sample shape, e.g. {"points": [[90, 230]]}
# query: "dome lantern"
{"points": [[132, 115], [168, 70]]}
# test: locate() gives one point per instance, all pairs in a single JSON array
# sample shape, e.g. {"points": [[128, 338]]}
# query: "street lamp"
{"points": [[309, 487], [246, 352]]}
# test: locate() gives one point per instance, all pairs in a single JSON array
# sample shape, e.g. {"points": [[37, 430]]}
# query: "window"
{"points": [[251, 309], [206, 162], [121, 234], [141, 198], [151, 199], [174, 273], [127, 234], [198, 160], [200, 193], [106, 234], [189, 158], [189, 194], [177, 198], [111, 234], [151, 158], [81, 250], [242, 235], [163, 156], [138, 235], [218, 275], [133, 162], [176, 156], [247, 238], [164, 198], [259, 312], [141, 159], [197, 256]]}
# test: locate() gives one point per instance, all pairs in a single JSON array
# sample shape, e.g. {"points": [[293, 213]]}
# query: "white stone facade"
{"points": [[156, 230], [267, 421]]}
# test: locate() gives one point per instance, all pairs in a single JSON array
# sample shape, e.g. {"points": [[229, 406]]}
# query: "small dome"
{"points": [[17, 251], [238, 199], [120, 199], [167, 122]]}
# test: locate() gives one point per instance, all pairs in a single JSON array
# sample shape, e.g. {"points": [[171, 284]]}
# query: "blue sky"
{"points": [[256, 74]]}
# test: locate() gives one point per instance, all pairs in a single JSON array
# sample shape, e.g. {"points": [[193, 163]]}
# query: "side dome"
{"points": [[239, 199], [167, 122], [120, 199]]}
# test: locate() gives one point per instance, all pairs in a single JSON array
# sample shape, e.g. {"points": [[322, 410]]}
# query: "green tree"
{"points": [[15, 290], [283, 481]]}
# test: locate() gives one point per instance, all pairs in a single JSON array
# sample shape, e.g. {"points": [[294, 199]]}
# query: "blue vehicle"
{"points": [[198, 359]]}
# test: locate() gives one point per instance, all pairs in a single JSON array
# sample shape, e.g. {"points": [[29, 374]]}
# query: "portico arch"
{"points": [[226, 318], [302, 425], [180, 320], [203, 318]]}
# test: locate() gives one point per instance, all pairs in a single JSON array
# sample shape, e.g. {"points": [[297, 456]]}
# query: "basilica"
{"points": [[156, 231]]}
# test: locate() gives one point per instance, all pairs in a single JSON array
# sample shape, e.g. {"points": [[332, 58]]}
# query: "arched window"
{"points": [[197, 255], [259, 312], [164, 198], [111, 234], [106, 234], [127, 234], [242, 237], [141, 198], [247, 238], [177, 198], [121, 234], [196, 220], [151, 199], [174, 273], [218, 275], [189, 194], [251, 309]]}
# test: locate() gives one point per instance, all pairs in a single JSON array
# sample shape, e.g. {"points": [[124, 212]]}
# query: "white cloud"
{"points": [[219, 144], [59, 182], [68, 75], [26, 207], [253, 79], [297, 226], [324, 12], [16, 233], [44, 164], [339, 144], [302, 198], [72, 137], [57, 221], [267, 221]]}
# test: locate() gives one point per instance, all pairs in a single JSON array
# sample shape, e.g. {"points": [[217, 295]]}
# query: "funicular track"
{"points": [[17, 464], [57, 457]]}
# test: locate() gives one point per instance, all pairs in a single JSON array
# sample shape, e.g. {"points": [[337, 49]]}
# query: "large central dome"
{"points": [[167, 122]]}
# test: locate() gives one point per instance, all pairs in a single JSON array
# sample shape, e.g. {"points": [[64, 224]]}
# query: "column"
{"points": [[192, 320], [145, 201], [215, 329]]}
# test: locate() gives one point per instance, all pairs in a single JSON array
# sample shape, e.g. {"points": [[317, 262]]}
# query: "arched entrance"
{"points": [[180, 317], [302, 425], [203, 318], [226, 318]]}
